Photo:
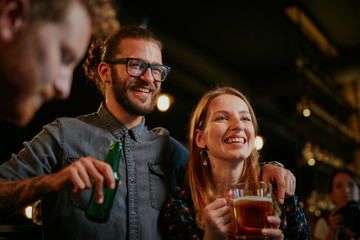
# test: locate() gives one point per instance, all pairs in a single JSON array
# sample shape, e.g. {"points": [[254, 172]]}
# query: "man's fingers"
{"points": [[93, 171], [84, 169], [77, 182], [281, 191], [78, 176], [286, 185], [290, 191], [282, 178], [99, 171], [107, 172]]}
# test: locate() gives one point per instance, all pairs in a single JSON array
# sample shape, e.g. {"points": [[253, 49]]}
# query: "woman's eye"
{"points": [[338, 186], [221, 118]]}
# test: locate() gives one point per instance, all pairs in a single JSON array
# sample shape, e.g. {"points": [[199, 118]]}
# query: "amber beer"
{"points": [[250, 214], [252, 203]]}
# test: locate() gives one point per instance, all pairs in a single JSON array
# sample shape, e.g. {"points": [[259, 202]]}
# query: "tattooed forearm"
{"points": [[41, 188], [13, 192], [17, 194]]}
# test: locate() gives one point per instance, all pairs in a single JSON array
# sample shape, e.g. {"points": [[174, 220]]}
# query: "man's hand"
{"points": [[17, 194], [80, 173], [283, 178]]}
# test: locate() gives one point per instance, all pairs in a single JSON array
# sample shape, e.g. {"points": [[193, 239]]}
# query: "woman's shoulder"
{"points": [[321, 228], [321, 221]]}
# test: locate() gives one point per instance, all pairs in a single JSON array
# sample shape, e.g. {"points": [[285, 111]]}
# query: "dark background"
{"points": [[255, 47]]}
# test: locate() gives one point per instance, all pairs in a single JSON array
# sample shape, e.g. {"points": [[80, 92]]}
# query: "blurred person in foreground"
{"points": [[56, 165], [343, 221], [41, 42], [222, 154]]}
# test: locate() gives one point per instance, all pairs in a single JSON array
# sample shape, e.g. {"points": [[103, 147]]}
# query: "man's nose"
{"points": [[62, 85], [147, 76]]}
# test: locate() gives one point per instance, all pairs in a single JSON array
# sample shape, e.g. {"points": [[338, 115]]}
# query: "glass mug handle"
{"points": [[36, 211]]}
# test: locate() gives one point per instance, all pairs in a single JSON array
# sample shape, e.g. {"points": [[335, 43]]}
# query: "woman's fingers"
{"points": [[274, 221], [274, 232]]}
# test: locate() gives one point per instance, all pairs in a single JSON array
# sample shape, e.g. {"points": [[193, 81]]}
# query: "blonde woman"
{"points": [[222, 154]]}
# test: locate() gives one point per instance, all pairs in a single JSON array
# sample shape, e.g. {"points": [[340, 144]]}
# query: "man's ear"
{"points": [[199, 138], [104, 72], [13, 15]]}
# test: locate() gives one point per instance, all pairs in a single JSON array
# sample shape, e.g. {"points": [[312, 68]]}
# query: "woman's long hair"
{"points": [[199, 176]]}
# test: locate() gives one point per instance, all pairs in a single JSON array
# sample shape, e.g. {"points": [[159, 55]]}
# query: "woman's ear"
{"points": [[199, 138], [12, 18], [104, 72]]}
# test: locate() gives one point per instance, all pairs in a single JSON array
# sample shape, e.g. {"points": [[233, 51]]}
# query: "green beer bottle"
{"points": [[101, 212]]}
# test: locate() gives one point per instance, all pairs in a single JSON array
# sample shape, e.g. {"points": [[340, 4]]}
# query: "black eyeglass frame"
{"points": [[148, 65]]}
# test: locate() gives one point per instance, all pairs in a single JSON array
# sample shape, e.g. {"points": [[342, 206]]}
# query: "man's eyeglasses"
{"points": [[136, 67]]}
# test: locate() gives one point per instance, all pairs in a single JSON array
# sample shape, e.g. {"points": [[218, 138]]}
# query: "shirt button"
{"points": [[132, 212], [132, 180]]}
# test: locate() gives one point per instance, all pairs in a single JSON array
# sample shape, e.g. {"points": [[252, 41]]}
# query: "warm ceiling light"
{"points": [[306, 112], [259, 142], [163, 102], [311, 162]]}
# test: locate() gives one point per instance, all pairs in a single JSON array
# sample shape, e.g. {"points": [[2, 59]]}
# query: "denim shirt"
{"points": [[153, 164]]}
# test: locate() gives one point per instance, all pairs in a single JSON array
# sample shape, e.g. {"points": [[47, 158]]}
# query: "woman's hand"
{"points": [[218, 219], [274, 232], [336, 221]]}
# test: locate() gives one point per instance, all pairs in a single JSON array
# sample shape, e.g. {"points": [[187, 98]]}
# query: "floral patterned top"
{"points": [[180, 218]]}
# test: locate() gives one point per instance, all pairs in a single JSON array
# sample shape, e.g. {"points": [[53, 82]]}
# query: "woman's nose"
{"points": [[237, 125]]}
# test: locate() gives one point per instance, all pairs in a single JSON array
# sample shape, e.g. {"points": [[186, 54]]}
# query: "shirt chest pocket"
{"points": [[160, 184], [78, 200]]}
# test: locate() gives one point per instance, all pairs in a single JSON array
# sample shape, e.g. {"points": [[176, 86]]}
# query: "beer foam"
{"points": [[253, 198]]}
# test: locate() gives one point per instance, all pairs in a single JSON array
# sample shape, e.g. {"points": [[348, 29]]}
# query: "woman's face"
{"points": [[229, 131], [344, 189]]}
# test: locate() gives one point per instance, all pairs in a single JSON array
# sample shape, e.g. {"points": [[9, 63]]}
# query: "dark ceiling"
{"points": [[255, 47]]}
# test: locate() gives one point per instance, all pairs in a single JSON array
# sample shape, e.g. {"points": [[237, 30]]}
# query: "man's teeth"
{"points": [[235, 140], [146, 90]]}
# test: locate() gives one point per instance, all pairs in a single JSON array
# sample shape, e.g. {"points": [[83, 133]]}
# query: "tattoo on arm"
{"points": [[17, 194]]}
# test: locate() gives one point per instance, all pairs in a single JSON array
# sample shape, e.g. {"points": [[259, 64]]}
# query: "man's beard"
{"points": [[122, 94]]}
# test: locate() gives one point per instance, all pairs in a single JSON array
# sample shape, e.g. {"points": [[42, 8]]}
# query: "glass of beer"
{"points": [[252, 203]]}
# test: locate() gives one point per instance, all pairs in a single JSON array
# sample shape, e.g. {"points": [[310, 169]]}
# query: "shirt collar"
{"points": [[117, 128]]}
